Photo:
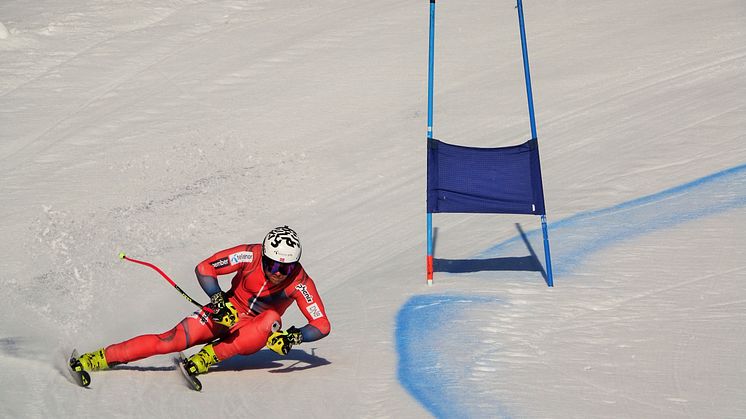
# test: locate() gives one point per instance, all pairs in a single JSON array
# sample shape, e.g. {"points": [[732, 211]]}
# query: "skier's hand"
{"points": [[281, 341], [223, 310]]}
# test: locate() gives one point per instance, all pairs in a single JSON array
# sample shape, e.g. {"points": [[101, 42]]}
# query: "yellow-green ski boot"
{"points": [[91, 361], [201, 361]]}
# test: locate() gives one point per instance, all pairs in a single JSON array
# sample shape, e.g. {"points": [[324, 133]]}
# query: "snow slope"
{"points": [[170, 130]]}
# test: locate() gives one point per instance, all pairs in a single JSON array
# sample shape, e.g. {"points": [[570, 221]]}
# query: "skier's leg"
{"points": [[248, 336], [191, 331]]}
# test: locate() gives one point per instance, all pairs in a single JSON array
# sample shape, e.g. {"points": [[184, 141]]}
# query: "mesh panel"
{"points": [[484, 180]]}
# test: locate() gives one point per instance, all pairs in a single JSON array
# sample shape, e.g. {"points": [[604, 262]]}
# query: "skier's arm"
{"points": [[208, 282], [310, 304], [221, 263]]}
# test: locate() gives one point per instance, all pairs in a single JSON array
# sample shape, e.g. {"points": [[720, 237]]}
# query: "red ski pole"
{"points": [[163, 274]]}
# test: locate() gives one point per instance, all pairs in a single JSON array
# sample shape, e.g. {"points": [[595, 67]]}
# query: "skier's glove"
{"points": [[223, 310], [281, 341]]}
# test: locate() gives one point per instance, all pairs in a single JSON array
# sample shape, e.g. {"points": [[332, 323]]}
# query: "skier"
{"points": [[268, 278]]}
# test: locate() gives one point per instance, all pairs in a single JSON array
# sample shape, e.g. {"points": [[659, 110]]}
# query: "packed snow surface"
{"points": [[173, 129]]}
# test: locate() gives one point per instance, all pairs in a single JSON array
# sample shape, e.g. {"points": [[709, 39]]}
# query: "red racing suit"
{"points": [[259, 303]]}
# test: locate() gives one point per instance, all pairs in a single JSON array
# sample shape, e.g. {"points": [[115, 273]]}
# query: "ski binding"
{"points": [[82, 378], [193, 381]]}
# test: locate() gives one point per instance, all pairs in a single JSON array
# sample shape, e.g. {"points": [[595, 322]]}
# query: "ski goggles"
{"points": [[272, 266]]}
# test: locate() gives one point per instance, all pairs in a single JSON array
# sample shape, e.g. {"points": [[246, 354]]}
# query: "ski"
{"points": [[193, 381], [82, 378]]}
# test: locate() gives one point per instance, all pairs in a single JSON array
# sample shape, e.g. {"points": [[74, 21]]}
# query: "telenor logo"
{"points": [[240, 257]]}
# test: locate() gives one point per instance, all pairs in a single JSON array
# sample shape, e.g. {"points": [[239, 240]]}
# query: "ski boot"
{"points": [[91, 361], [201, 361]]}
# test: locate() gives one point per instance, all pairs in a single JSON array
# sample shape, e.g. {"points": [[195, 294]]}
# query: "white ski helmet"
{"points": [[281, 244]]}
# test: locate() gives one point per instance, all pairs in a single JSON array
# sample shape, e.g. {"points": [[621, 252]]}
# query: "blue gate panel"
{"points": [[484, 180]]}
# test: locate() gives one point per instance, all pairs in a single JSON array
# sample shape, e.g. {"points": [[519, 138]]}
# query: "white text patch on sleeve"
{"points": [[314, 311]]}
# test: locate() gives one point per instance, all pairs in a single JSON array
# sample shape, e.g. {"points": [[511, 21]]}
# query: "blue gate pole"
{"points": [[532, 118], [430, 68]]}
